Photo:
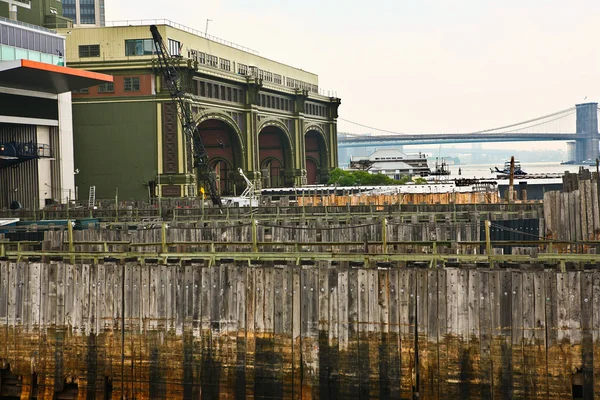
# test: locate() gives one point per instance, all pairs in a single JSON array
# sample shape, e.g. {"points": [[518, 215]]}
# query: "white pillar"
{"points": [[45, 184], [65, 155]]}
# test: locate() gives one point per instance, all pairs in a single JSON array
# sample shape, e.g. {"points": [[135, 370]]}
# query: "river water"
{"points": [[483, 170]]}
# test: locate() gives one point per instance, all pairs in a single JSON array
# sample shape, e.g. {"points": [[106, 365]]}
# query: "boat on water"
{"points": [[441, 169], [506, 169], [589, 161]]}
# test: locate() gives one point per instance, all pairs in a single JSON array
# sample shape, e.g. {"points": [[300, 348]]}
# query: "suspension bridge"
{"points": [[578, 124]]}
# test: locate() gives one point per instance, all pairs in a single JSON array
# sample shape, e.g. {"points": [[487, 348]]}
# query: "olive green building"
{"points": [[46, 13], [253, 113]]}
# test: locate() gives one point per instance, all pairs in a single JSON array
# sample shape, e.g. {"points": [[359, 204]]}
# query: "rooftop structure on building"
{"points": [[263, 116]]}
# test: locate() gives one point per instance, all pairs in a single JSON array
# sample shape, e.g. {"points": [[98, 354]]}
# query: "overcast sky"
{"points": [[418, 65]]}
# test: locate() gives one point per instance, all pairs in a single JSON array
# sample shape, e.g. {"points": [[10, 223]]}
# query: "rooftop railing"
{"points": [[26, 25], [143, 22]]}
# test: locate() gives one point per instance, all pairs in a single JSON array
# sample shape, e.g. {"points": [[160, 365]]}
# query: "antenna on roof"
{"points": [[206, 29]]}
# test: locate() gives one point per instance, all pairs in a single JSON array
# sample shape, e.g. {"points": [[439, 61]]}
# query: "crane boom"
{"points": [[170, 73]]}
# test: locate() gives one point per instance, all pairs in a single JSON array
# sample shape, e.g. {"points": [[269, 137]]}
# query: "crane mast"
{"points": [[168, 67]]}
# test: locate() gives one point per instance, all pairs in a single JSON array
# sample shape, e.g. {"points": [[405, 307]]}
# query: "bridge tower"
{"points": [[587, 139]]}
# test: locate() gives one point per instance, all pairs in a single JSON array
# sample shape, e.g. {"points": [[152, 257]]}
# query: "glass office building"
{"points": [[19, 40], [84, 12]]}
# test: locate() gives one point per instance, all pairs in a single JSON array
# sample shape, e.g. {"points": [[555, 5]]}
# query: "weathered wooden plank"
{"points": [[485, 332], [575, 301], [240, 294], [251, 316], [323, 322], [422, 352], [502, 341], [407, 343], [530, 381], [442, 335], [517, 334], [540, 334], [394, 333], [382, 291], [596, 329], [431, 375], [587, 338], [350, 380], [453, 295], [333, 328], [472, 331], [279, 343], [296, 332], [562, 359]]}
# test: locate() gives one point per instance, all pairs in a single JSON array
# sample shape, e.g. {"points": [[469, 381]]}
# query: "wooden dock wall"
{"points": [[297, 330], [573, 214]]}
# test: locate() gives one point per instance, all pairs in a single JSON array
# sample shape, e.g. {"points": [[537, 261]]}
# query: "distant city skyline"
{"points": [[416, 66]]}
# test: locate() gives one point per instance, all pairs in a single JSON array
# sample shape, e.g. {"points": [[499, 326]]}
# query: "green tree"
{"points": [[340, 177]]}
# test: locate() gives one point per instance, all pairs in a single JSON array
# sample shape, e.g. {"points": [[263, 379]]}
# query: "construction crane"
{"points": [[168, 66]]}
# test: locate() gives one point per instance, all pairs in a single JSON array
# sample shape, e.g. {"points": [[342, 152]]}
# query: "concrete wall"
{"points": [[298, 330]]}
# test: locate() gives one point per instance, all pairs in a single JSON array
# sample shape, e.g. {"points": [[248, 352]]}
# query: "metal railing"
{"points": [[26, 25], [143, 22], [27, 149]]}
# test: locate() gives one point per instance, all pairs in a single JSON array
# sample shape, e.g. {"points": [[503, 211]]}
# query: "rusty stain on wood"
{"points": [[307, 330]]}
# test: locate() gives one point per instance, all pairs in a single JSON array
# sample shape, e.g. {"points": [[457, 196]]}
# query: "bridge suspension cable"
{"points": [[559, 115], [514, 128]]}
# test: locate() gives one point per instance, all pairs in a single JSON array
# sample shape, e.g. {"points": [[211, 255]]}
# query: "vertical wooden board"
{"points": [[35, 293], [323, 321], [424, 359], [363, 331], [230, 311], [596, 329], [581, 209], [333, 328], [343, 330], [352, 375], [453, 334], [309, 332], [575, 301], [502, 347], [240, 302], [540, 334], [406, 337], [530, 378], [171, 299], [394, 334], [153, 295], [296, 332], [272, 365], [279, 350], [517, 333], [589, 211], [595, 208], [100, 297], [430, 375], [4, 284], [251, 294], [471, 307], [382, 291], [485, 332], [180, 294], [93, 294], [412, 329], [442, 335], [148, 298], [587, 339], [563, 357]]}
